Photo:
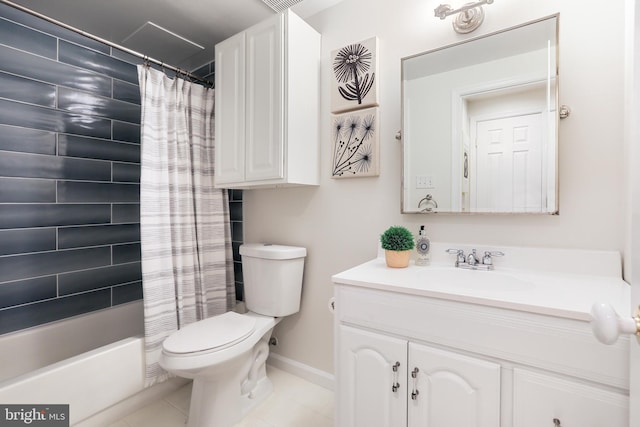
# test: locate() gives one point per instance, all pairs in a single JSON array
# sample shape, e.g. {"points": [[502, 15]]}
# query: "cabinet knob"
{"points": [[556, 422], [607, 325]]}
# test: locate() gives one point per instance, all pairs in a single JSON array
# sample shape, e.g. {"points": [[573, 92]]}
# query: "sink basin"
{"points": [[471, 279]]}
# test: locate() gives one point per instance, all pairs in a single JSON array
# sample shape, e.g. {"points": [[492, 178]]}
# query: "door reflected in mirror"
{"points": [[479, 124]]}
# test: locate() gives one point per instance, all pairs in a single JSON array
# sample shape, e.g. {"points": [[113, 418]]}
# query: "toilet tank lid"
{"points": [[270, 251]]}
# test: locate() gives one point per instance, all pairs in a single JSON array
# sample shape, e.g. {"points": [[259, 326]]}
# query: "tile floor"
{"points": [[294, 403]]}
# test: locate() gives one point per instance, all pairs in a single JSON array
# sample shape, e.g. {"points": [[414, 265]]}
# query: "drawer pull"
{"points": [[556, 422], [396, 385], [415, 392]]}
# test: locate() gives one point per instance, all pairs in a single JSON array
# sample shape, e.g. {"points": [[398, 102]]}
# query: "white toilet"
{"points": [[225, 354]]}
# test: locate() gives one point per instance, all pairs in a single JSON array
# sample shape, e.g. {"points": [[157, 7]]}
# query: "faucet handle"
{"points": [[488, 256], [458, 252]]}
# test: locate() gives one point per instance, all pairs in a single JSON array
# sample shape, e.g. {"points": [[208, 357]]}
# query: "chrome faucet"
{"points": [[472, 262], [471, 258]]}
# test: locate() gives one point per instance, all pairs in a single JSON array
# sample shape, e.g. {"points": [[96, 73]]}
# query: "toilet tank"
{"points": [[272, 278]]}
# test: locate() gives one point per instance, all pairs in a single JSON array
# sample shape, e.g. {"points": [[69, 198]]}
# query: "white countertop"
{"points": [[555, 293]]}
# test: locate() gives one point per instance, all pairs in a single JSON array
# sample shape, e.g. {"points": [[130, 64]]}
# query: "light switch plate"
{"points": [[424, 181]]}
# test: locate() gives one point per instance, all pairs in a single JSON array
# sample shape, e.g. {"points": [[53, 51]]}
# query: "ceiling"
{"points": [[179, 33]]}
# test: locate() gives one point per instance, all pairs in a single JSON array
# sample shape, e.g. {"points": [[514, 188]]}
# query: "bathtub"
{"points": [[94, 363]]}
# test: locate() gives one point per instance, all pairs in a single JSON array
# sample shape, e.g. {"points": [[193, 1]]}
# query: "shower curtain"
{"points": [[187, 261]]}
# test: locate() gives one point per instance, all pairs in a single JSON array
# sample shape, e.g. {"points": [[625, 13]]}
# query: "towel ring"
{"points": [[429, 202]]}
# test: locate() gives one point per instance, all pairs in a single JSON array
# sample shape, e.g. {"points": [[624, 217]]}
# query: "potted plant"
{"points": [[397, 243]]}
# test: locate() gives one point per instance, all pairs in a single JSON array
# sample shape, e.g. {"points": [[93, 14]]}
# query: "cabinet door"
{"points": [[229, 110], [539, 399], [365, 392], [452, 390], [265, 99]]}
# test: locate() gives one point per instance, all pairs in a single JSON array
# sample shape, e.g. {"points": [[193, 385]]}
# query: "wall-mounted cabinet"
{"points": [[267, 105]]}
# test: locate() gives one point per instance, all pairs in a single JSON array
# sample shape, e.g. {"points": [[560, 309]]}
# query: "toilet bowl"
{"points": [[228, 369], [225, 355]]}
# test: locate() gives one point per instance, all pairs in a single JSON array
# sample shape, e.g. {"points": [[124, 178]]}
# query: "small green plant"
{"points": [[397, 238]]}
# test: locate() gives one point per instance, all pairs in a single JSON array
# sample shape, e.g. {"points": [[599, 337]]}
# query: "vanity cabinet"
{"points": [[267, 105], [479, 362], [390, 382]]}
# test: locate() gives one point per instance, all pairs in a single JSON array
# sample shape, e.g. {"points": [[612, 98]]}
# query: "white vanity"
{"points": [[442, 346]]}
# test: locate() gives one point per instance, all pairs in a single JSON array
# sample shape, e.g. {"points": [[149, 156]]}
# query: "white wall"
{"points": [[340, 221]]}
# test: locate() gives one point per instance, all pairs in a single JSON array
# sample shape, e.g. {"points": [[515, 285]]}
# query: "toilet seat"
{"points": [[212, 334]]}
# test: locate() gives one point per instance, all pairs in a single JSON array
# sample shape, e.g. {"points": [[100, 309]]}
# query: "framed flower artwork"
{"points": [[354, 82], [355, 147]]}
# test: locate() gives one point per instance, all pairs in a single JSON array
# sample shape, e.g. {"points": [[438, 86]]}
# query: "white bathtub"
{"points": [[100, 385], [95, 364]]}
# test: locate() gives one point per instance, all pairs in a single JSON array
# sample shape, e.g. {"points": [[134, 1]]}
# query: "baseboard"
{"points": [[309, 373], [133, 403]]}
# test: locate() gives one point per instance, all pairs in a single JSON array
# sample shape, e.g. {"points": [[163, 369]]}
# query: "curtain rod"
{"points": [[146, 58]]}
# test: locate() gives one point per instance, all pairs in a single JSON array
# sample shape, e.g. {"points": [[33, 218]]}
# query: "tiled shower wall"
{"points": [[69, 174]]}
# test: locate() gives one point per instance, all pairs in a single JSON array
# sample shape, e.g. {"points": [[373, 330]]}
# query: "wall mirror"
{"points": [[479, 124]]}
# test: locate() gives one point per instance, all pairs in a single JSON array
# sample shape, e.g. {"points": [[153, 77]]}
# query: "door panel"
{"points": [[365, 396], [508, 172], [264, 125], [229, 110], [453, 390], [632, 257]]}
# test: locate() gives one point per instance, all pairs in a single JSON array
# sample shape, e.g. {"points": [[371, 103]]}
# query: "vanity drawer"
{"points": [[539, 399], [557, 344]]}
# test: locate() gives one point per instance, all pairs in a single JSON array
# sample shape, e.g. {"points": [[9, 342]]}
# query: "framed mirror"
{"points": [[480, 124]]}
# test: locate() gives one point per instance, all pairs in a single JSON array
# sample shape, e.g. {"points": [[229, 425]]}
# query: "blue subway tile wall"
{"points": [[207, 71], [27, 140], [70, 174], [237, 237]]}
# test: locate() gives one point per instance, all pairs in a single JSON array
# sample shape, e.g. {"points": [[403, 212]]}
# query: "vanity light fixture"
{"points": [[470, 16]]}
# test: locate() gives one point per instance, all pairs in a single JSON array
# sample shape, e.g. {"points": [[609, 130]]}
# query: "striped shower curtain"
{"points": [[187, 262]]}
